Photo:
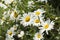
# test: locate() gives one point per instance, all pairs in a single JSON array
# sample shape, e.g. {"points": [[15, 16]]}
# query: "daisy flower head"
{"points": [[10, 33], [37, 21], [39, 12], [14, 15], [14, 27], [8, 1], [47, 25], [30, 3], [38, 36], [26, 19]]}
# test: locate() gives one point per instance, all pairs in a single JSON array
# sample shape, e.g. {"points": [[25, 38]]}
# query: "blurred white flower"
{"points": [[6, 14], [37, 21], [21, 34], [56, 18], [8, 1], [2, 5], [38, 36], [14, 15], [47, 25], [14, 27], [26, 19], [10, 33], [57, 37], [39, 12], [30, 3]]}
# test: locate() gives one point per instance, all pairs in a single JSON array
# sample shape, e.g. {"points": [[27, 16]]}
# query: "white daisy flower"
{"points": [[30, 3], [14, 27], [10, 33], [21, 34], [26, 19], [8, 1], [14, 16], [2, 5], [39, 12], [38, 36], [37, 21], [47, 25]]}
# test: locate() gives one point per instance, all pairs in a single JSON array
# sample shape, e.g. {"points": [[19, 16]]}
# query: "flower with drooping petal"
{"points": [[14, 15]]}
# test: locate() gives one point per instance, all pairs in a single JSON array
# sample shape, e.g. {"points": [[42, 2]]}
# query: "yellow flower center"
{"points": [[15, 15], [37, 20], [46, 26], [27, 19], [10, 33], [38, 36], [37, 13]]}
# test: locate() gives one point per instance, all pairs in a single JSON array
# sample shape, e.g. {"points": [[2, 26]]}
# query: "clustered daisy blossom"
{"points": [[35, 18], [11, 32]]}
